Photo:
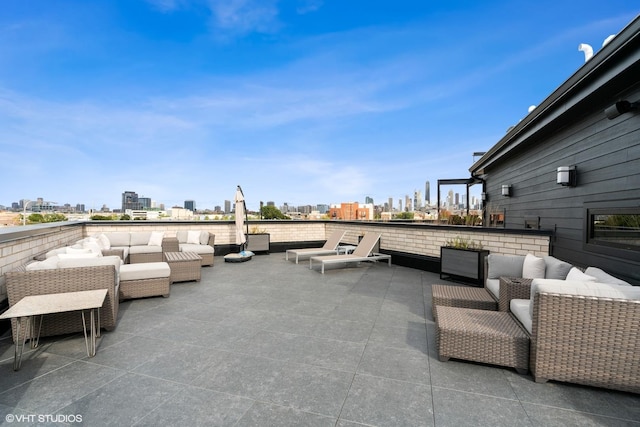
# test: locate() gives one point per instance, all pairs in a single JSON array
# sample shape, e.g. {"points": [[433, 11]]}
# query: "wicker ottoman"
{"points": [[185, 266], [492, 337], [148, 279], [462, 296]]}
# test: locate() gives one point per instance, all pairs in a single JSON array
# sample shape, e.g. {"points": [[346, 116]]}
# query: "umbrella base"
{"points": [[243, 256]]}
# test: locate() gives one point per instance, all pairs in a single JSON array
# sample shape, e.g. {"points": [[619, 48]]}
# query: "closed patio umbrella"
{"points": [[241, 237]]}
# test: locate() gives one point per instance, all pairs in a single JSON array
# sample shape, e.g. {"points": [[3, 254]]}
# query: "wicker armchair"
{"points": [[586, 335], [21, 283]]}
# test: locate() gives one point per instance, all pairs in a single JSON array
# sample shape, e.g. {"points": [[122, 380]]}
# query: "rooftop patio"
{"points": [[269, 342]]}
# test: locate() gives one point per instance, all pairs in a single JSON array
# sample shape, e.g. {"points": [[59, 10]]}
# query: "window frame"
{"points": [[593, 244]]}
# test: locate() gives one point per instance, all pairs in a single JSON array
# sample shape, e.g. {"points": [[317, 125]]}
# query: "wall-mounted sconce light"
{"points": [[484, 196], [620, 108], [506, 190], [567, 176]]}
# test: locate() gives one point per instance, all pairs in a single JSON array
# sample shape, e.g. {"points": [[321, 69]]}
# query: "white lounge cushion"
{"points": [[104, 242], [78, 255], [49, 263], [146, 270], [197, 248], [72, 250], [493, 285], [505, 265], [604, 277], [588, 289], [576, 274], [119, 238], [156, 238], [521, 309], [204, 237], [181, 236], [92, 246], [193, 237], [55, 252], [533, 267], [145, 249], [139, 238]]}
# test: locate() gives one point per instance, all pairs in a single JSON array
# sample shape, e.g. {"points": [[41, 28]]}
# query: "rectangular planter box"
{"points": [[258, 242], [463, 264]]}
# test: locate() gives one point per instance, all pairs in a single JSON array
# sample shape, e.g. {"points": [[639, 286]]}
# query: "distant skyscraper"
{"points": [[130, 201], [190, 204], [368, 200], [427, 193], [400, 205], [145, 202], [227, 206], [390, 204]]}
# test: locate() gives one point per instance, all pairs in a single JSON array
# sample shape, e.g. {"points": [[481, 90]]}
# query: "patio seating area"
{"points": [[269, 342]]}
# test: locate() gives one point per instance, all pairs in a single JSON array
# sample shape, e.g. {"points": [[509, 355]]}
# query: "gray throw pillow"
{"points": [[505, 266], [556, 269]]}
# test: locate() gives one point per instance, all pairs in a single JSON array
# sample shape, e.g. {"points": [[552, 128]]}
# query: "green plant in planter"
{"points": [[460, 242], [257, 230]]}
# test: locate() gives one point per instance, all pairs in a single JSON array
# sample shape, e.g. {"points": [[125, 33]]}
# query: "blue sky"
{"points": [[298, 101]]}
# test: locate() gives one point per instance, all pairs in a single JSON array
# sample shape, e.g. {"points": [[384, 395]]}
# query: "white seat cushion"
{"points": [[146, 270], [493, 286], [520, 308], [145, 249], [199, 249]]}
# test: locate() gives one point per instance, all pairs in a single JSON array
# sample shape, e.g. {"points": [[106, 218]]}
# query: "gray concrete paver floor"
{"points": [[272, 343]]}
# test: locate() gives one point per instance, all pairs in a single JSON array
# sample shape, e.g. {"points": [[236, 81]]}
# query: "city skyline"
{"points": [[298, 101], [130, 199]]}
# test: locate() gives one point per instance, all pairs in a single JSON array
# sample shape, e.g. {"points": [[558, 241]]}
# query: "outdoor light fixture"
{"points": [[506, 190], [484, 196], [620, 108], [567, 176]]}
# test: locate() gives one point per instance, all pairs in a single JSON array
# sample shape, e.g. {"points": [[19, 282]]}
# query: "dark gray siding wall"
{"points": [[607, 156]]}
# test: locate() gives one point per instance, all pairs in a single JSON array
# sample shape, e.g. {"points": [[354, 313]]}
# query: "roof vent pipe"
{"points": [[587, 49]]}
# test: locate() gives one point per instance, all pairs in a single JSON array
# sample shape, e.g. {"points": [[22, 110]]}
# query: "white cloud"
{"points": [[240, 17]]}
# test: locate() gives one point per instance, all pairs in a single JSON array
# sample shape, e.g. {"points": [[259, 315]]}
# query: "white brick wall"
{"points": [[414, 238]]}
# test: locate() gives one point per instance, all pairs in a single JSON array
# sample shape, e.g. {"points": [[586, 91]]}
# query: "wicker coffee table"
{"points": [[185, 266], [462, 296], [492, 337]]}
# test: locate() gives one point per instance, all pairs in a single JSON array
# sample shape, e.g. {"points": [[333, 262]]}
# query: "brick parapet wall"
{"points": [[19, 247]]}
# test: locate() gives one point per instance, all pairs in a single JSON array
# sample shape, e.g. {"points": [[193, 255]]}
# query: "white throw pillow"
{"points": [[104, 242], [576, 274], [77, 256], [156, 238], [193, 237], [533, 267], [93, 246], [49, 263], [71, 250]]}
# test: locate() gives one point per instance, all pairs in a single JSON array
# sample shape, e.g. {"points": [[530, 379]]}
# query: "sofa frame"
{"points": [[21, 283]]}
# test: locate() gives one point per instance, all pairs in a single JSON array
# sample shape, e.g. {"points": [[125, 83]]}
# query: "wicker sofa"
{"points": [[583, 332], [69, 276], [200, 242]]}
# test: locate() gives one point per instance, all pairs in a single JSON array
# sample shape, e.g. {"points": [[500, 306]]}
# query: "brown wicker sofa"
{"points": [[21, 283], [583, 332]]}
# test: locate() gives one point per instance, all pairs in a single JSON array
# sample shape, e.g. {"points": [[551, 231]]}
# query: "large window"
{"points": [[616, 229]]}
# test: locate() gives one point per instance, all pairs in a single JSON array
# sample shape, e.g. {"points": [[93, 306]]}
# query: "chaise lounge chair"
{"points": [[330, 247], [363, 252]]}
